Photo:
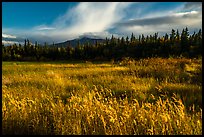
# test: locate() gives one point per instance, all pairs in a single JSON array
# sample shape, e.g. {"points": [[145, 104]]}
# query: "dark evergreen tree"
{"points": [[172, 37], [184, 41]]}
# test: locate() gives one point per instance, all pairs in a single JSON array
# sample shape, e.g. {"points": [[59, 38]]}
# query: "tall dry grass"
{"points": [[146, 97]]}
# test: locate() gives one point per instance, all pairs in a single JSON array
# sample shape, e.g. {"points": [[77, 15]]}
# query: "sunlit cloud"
{"points": [[86, 17], [43, 27], [94, 17], [8, 36], [6, 43]]}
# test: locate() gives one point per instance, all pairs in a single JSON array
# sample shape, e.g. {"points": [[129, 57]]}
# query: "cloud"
{"points": [[7, 43], [103, 19], [193, 6], [8, 36], [86, 18], [11, 39], [163, 24], [43, 27], [89, 17], [177, 18]]}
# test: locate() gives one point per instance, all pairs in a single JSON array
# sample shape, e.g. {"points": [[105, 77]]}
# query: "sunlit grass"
{"points": [[146, 97]]}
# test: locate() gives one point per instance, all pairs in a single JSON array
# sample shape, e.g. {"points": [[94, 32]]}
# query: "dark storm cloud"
{"points": [[173, 19]]}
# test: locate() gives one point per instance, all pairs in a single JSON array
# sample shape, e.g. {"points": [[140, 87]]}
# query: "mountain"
{"points": [[82, 41]]}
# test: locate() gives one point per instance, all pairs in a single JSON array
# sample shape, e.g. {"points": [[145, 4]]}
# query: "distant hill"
{"points": [[83, 40], [10, 40]]}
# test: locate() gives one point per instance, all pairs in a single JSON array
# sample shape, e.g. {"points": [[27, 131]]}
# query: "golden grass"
{"points": [[102, 99]]}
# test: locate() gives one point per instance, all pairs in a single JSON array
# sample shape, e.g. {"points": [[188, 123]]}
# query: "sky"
{"points": [[61, 21]]}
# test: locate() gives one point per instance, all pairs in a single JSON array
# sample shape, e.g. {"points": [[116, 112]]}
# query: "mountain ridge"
{"points": [[81, 40], [73, 43]]}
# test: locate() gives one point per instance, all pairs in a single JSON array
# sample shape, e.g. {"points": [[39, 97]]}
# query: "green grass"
{"points": [[149, 96]]}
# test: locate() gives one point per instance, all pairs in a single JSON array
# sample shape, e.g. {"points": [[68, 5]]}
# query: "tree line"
{"points": [[173, 45]]}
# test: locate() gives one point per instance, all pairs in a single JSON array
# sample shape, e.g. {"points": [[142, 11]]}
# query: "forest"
{"points": [[175, 44]]}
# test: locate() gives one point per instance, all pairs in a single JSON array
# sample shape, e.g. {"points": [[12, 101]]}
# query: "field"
{"points": [[152, 96]]}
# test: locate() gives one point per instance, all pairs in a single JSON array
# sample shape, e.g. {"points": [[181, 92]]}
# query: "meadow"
{"points": [[151, 96]]}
